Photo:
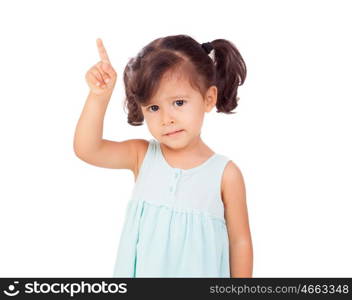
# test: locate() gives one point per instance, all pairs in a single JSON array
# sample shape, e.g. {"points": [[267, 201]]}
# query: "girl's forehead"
{"points": [[173, 88]]}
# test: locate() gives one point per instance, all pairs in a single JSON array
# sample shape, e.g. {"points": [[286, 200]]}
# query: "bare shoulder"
{"points": [[232, 181], [142, 147]]}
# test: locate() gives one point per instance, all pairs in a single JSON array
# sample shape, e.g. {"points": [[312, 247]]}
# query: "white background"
{"points": [[291, 136]]}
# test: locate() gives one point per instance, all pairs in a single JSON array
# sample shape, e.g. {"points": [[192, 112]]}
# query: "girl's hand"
{"points": [[101, 78]]}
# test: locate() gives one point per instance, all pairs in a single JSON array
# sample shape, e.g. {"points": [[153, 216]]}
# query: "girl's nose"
{"points": [[167, 118]]}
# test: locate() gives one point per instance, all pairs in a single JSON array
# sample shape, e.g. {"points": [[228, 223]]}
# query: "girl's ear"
{"points": [[211, 98]]}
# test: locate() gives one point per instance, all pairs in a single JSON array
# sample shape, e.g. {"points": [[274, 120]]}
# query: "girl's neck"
{"points": [[192, 154]]}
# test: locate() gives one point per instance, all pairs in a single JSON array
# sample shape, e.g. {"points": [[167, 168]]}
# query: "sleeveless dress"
{"points": [[174, 222]]}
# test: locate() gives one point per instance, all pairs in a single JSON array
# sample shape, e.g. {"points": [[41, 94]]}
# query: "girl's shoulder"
{"points": [[232, 177]]}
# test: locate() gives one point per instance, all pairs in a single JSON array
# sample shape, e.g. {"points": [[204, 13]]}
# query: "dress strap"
{"points": [[148, 159]]}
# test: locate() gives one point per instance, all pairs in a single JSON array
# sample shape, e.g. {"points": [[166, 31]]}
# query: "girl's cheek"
{"points": [[152, 122]]}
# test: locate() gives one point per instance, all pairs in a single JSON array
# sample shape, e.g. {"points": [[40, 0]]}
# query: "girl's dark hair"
{"points": [[181, 53]]}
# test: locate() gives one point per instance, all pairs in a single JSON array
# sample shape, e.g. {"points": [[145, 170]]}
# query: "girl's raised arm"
{"points": [[88, 143]]}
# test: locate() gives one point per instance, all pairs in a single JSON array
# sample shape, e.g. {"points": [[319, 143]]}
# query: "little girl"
{"points": [[187, 216]]}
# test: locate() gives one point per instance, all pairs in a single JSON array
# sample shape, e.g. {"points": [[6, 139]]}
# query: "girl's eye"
{"points": [[152, 106], [179, 103]]}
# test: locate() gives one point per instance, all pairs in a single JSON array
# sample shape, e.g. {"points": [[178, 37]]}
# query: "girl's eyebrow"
{"points": [[179, 96]]}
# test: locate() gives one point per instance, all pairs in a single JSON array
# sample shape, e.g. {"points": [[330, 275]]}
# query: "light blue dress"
{"points": [[174, 224]]}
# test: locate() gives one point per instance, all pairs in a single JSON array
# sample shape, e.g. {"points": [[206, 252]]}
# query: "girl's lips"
{"points": [[174, 133]]}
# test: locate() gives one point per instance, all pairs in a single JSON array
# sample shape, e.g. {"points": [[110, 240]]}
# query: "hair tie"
{"points": [[207, 47]]}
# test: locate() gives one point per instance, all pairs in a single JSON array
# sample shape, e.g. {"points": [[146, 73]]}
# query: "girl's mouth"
{"points": [[174, 133]]}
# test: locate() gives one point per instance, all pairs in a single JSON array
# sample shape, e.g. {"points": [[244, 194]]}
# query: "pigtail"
{"points": [[230, 72], [135, 115]]}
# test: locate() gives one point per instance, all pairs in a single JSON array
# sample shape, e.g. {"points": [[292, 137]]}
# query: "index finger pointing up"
{"points": [[102, 52]]}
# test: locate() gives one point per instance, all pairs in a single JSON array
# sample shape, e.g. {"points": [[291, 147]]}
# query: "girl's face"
{"points": [[177, 106]]}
